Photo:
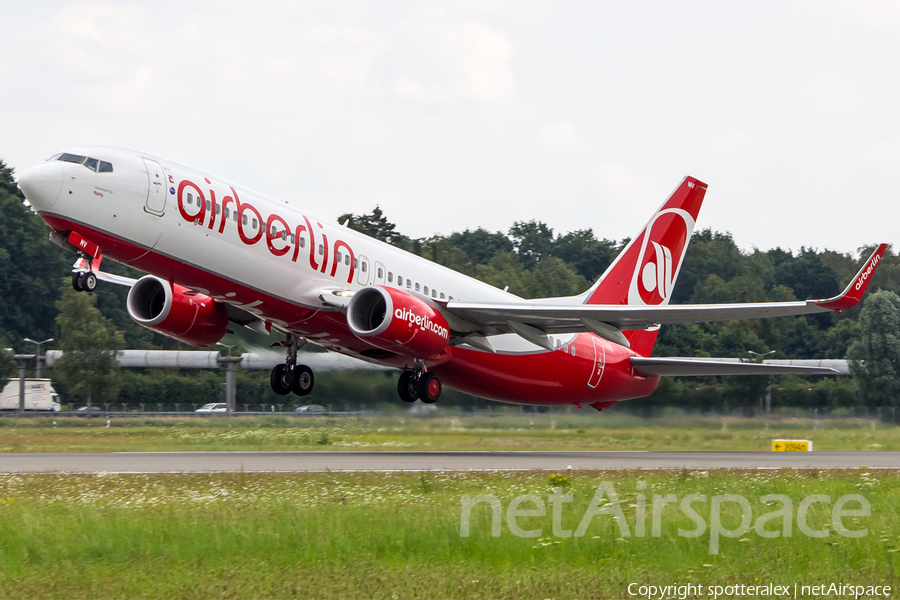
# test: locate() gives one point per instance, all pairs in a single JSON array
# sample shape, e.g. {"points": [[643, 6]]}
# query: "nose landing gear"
{"points": [[84, 281], [291, 377], [419, 385]]}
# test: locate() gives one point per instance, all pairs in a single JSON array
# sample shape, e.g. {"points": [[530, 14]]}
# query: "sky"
{"points": [[456, 115]]}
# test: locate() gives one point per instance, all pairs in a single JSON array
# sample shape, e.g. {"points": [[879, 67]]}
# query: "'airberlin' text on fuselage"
{"points": [[281, 238]]}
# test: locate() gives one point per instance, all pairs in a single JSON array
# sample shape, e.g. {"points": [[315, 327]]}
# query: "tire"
{"points": [[407, 388], [88, 281], [430, 388], [76, 282], [302, 380], [278, 379]]}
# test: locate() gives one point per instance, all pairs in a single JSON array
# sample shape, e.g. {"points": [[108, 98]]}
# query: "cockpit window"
{"points": [[91, 164], [55, 156], [105, 167], [72, 158]]}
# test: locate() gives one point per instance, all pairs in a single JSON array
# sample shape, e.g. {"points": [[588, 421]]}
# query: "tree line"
{"points": [[534, 261]]}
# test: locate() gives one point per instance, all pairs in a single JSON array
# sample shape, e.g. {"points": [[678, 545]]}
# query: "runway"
{"points": [[299, 462]]}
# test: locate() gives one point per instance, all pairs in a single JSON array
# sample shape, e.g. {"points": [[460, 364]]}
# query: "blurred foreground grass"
{"points": [[586, 431], [339, 535]]}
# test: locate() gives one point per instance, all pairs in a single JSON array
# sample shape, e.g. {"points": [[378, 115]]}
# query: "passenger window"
{"points": [[284, 235], [321, 249], [355, 263], [255, 223], [347, 260], [390, 277], [234, 216], [274, 231], [365, 267], [244, 219], [426, 290], [339, 257], [408, 283], [450, 298], [227, 213], [292, 238], [91, 164], [442, 295], [399, 281], [105, 167], [218, 209], [572, 349], [190, 198], [380, 272], [209, 207], [417, 287], [433, 293], [303, 242]]}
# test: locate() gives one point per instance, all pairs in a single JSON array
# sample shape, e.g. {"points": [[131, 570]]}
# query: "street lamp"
{"points": [[764, 354], [37, 358]]}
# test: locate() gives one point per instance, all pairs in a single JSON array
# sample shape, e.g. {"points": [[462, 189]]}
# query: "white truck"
{"points": [[39, 395]]}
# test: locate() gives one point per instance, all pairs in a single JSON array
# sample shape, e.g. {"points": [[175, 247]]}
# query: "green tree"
{"points": [[377, 226], [27, 257], [875, 356], [90, 343]]}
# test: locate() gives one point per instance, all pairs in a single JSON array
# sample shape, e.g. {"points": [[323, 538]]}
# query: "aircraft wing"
{"points": [[702, 367], [610, 320]]}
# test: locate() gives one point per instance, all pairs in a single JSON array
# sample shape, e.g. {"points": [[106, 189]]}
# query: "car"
{"points": [[214, 407], [309, 409], [83, 411]]}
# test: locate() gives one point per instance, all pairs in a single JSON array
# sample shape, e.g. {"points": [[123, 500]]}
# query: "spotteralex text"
{"points": [[790, 590]]}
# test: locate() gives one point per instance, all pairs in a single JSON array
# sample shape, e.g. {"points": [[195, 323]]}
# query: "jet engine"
{"points": [[177, 312], [397, 321]]}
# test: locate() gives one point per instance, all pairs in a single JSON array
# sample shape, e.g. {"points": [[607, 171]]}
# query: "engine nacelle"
{"points": [[174, 311], [397, 321]]}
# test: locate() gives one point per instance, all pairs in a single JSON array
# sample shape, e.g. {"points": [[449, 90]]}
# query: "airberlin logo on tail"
{"points": [[861, 280], [425, 323], [662, 249]]}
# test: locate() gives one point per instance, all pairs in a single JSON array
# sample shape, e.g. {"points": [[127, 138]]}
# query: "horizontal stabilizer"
{"points": [[706, 367]]}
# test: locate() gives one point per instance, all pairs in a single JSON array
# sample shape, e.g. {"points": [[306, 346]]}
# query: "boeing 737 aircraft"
{"points": [[219, 256]]}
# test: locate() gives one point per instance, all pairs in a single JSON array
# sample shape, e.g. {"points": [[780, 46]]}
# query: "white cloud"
{"points": [[559, 137]]}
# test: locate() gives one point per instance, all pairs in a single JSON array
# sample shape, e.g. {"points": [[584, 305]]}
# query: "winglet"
{"points": [[854, 292]]}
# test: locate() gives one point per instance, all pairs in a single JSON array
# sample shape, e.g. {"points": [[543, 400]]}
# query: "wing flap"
{"points": [[705, 367]]}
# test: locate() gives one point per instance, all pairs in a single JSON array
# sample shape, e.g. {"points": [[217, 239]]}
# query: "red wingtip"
{"points": [[854, 292]]}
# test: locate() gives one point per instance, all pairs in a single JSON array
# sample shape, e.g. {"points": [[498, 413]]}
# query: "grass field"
{"points": [[346, 535], [402, 432]]}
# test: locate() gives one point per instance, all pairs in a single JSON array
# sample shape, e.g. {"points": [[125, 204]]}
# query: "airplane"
{"points": [[219, 256]]}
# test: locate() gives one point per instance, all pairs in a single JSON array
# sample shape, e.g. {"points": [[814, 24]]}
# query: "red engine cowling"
{"points": [[398, 321], [173, 310]]}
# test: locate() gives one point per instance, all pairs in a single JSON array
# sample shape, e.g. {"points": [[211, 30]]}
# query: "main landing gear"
{"points": [[291, 377], [419, 385], [84, 281]]}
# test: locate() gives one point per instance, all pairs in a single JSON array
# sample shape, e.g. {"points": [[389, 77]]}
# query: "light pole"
{"points": [[37, 359], [231, 364], [768, 387]]}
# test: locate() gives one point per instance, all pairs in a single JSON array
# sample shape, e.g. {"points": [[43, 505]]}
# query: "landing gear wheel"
{"points": [[430, 388], [407, 387], [280, 381], [302, 380], [88, 281], [76, 282]]}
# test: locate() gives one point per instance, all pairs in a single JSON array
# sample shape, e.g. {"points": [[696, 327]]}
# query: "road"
{"points": [[165, 462]]}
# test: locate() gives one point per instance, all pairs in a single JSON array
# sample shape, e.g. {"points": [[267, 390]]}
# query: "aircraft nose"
{"points": [[42, 184]]}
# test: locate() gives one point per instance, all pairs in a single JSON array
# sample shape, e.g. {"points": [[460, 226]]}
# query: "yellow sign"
{"points": [[791, 446]]}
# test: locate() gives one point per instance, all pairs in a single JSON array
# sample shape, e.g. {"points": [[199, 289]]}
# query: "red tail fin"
{"points": [[646, 270]]}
